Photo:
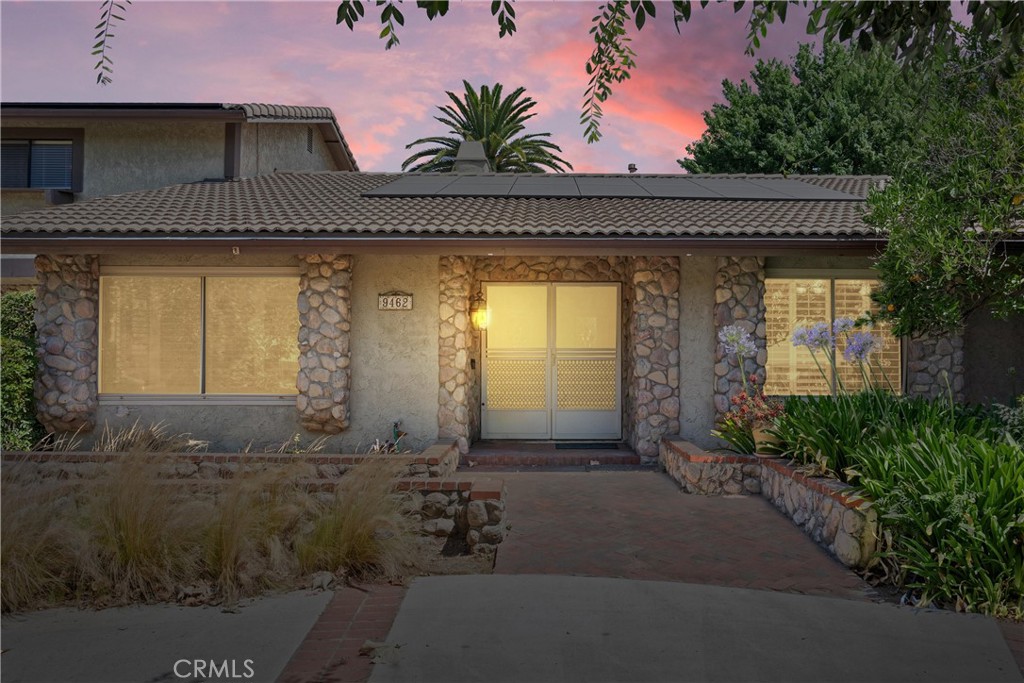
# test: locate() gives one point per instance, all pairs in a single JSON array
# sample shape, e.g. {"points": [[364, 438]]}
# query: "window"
{"points": [[211, 334], [44, 158], [801, 302]]}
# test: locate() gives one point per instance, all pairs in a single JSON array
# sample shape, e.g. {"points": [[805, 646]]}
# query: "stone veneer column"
{"points": [[325, 311], [454, 340], [739, 300], [652, 396], [67, 310], [935, 366]]}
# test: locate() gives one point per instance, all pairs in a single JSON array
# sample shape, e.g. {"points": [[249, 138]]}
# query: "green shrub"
{"points": [[826, 430], [955, 506], [735, 432], [19, 429], [17, 316]]}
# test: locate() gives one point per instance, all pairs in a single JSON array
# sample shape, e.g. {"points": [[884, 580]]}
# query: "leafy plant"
{"points": [[736, 432], [19, 429], [955, 506]]}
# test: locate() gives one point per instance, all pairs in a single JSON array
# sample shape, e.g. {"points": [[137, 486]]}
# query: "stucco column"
{"points": [[652, 394], [325, 311], [67, 310], [454, 339], [739, 300], [935, 366]]}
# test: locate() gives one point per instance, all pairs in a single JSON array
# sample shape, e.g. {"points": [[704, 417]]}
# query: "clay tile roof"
{"points": [[335, 203]]}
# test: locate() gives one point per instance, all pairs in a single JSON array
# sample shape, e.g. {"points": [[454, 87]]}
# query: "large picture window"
{"points": [[801, 302], [213, 334]]}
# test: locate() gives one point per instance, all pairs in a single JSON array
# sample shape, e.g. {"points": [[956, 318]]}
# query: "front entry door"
{"points": [[551, 362]]}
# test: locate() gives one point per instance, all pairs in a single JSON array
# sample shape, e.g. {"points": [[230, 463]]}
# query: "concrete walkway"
{"points": [[149, 642], [567, 629]]}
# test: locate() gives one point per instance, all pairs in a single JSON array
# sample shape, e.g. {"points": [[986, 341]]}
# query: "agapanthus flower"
{"points": [[815, 338], [859, 345], [737, 340], [842, 325]]}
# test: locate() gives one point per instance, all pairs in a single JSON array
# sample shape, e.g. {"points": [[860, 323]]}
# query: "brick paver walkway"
{"points": [[639, 525], [330, 653]]}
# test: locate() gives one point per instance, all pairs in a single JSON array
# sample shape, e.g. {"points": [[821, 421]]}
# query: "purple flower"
{"points": [[737, 340], [815, 337], [842, 325], [859, 345]]}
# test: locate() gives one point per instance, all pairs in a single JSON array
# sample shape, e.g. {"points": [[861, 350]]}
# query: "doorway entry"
{"points": [[551, 361]]}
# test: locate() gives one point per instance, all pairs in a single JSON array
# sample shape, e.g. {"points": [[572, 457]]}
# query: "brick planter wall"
{"points": [[827, 510], [698, 471]]}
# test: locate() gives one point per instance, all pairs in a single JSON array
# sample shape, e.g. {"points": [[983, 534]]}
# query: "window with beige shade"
{"points": [[801, 302], [229, 335]]}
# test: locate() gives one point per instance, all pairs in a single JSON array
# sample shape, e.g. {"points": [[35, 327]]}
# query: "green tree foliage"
{"points": [[19, 429], [836, 111], [954, 212], [497, 122]]}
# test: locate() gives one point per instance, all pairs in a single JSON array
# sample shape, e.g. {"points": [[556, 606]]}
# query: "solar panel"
{"points": [[676, 188], [544, 186], [580, 186]]}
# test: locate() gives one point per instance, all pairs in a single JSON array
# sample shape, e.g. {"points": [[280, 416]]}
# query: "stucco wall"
{"points": [[394, 364], [267, 147], [993, 358], [124, 156], [696, 349], [394, 353]]}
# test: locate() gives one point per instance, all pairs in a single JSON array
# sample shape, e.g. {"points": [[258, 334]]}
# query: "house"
{"points": [[58, 153], [466, 305]]}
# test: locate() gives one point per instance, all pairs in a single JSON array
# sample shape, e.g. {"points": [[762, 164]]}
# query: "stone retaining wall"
{"points": [[437, 462], [698, 471], [844, 524], [470, 511], [826, 509]]}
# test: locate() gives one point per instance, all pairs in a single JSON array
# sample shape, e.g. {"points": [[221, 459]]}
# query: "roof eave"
{"points": [[33, 243]]}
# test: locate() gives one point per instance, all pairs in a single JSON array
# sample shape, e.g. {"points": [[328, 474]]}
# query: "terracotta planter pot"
{"points": [[765, 444]]}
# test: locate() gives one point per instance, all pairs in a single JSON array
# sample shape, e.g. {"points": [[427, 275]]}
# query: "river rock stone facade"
{"points": [[652, 392], [844, 525], [456, 341], [739, 300], [700, 472], [935, 366], [325, 310], [67, 320]]}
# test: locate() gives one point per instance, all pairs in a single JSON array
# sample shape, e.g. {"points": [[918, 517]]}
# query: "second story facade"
{"points": [[58, 153]]}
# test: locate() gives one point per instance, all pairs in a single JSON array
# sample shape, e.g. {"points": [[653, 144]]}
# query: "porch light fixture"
{"points": [[478, 314]]}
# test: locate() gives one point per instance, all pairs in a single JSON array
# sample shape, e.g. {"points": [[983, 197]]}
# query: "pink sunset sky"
{"points": [[293, 53]]}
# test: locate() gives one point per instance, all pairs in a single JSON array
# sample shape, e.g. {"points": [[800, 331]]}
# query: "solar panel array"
{"points": [[595, 186]]}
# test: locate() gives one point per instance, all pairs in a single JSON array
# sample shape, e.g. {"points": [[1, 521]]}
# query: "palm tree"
{"points": [[495, 122]]}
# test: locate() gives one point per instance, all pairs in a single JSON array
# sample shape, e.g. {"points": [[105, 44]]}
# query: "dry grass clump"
{"points": [[151, 439], [140, 541], [34, 543], [128, 535], [363, 529]]}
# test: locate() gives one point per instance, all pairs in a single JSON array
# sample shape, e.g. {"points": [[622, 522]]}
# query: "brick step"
{"points": [[580, 458]]}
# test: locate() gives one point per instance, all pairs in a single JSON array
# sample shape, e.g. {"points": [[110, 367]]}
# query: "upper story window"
{"points": [[41, 158], [37, 163], [801, 302]]}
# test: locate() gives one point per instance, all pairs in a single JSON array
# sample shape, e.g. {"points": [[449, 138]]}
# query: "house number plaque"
{"points": [[394, 301]]}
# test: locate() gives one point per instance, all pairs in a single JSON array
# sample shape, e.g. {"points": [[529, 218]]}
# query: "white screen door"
{"points": [[551, 362]]}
